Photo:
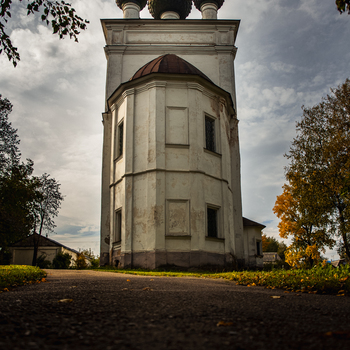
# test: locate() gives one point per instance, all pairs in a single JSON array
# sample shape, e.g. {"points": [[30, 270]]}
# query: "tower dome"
{"points": [[158, 7], [169, 64]]}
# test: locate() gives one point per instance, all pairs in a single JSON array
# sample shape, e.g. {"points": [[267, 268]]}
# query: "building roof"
{"points": [[271, 257], [247, 222], [169, 64], [43, 242]]}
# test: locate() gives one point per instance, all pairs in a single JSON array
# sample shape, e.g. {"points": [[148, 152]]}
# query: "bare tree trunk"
{"points": [[36, 241], [344, 234], [36, 246]]}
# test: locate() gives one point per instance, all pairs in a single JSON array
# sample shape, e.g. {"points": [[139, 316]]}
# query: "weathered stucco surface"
{"points": [[165, 179]]}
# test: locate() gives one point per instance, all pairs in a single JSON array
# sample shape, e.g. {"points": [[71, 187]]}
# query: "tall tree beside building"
{"points": [[28, 204], [45, 208], [314, 206], [17, 187]]}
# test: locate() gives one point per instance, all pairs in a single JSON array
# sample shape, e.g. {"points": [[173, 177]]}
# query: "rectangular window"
{"points": [[118, 226], [120, 139], [210, 134], [212, 222], [259, 248]]}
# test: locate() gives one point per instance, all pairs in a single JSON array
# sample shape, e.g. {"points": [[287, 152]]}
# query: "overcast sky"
{"points": [[290, 53]]}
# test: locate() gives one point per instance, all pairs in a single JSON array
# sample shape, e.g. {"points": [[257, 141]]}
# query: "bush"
{"points": [[80, 261], [61, 261], [5, 257], [18, 275], [42, 262], [95, 263]]}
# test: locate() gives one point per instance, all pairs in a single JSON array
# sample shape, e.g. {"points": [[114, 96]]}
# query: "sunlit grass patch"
{"points": [[18, 275], [320, 279], [156, 272], [317, 280]]}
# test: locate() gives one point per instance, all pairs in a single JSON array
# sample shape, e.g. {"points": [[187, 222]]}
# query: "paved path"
{"points": [[115, 311]]}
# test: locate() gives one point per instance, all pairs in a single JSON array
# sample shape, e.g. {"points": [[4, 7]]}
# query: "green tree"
{"points": [[17, 192], [314, 206], [80, 261], [61, 261], [282, 247], [17, 187], [27, 203], [45, 208], [94, 259], [343, 5], [59, 15], [9, 143], [271, 244]]}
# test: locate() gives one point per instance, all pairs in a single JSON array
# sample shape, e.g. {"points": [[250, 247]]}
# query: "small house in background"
{"points": [[271, 258], [253, 242], [338, 263], [22, 251]]}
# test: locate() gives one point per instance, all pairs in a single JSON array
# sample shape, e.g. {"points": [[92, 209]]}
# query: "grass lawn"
{"points": [[321, 280], [18, 275]]}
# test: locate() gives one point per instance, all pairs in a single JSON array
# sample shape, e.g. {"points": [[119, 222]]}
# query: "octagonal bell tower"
{"points": [[171, 192]]}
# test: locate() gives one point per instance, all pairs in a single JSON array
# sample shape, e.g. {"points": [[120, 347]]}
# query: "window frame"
{"points": [[118, 220], [119, 140], [213, 147], [217, 218], [258, 247]]}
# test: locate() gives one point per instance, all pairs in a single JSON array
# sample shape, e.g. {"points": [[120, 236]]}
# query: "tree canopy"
{"points": [[271, 244], [314, 206], [61, 16], [45, 207], [28, 204], [17, 188]]}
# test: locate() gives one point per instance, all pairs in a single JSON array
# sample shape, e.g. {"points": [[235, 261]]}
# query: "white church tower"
{"points": [[171, 190]]}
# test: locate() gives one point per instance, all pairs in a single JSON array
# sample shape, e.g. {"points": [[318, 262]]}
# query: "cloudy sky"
{"points": [[290, 53]]}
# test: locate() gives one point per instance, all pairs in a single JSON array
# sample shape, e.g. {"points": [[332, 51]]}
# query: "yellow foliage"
{"points": [[299, 257]]}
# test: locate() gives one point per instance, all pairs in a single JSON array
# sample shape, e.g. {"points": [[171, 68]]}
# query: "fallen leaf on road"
{"points": [[65, 300], [147, 288], [127, 280], [224, 324], [338, 334], [275, 296]]}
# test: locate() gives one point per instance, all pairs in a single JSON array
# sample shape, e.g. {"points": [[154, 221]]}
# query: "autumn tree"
{"points": [[61, 16], [314, 206], [302, 220], [343, 5], [269, 244]]}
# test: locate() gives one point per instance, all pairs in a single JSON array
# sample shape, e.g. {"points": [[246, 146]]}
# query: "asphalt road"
{"points": [[101, 310]]}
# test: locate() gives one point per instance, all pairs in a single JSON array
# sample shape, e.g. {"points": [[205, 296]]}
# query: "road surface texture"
{"points": [[101, 310]]}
